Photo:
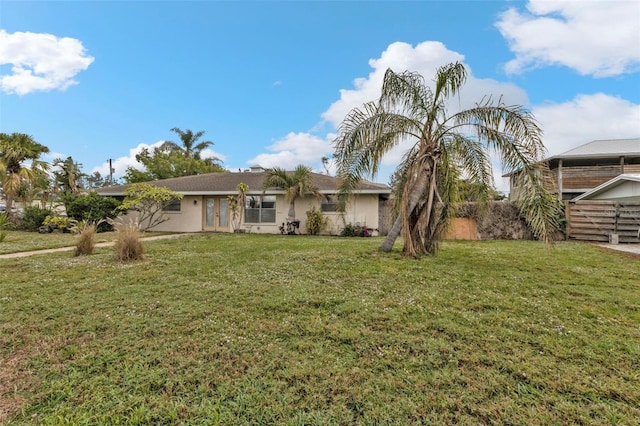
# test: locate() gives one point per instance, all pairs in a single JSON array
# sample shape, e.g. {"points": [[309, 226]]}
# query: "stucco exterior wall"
{"points": [[188, 219], [361, 210]]}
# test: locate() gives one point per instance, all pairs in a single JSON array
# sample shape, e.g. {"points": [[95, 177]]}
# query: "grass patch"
{"points": [[20, 241], [255, 329]]}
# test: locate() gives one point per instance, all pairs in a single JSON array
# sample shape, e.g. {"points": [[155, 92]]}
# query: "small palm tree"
{"points": [[295, 184], [15, 150], [190, 145], [444, 149]]}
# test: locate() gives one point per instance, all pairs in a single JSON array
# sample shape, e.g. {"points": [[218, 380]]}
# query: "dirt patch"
{"points": [[14, 380]]}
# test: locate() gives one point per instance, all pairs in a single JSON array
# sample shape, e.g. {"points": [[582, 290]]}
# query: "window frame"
{"points": [[266, 215]]}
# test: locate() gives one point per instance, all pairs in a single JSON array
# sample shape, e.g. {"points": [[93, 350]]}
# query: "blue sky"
{"points": [[270, 81]]}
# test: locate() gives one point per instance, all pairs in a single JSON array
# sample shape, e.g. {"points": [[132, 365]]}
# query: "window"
{"points": [[171, 206], [260, 209], [329, 203]]}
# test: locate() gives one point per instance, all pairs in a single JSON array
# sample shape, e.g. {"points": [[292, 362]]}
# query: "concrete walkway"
{"points": [[105, 244], [628, 248]]}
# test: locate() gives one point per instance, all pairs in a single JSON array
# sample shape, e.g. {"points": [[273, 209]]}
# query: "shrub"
{"points": [[33, 218], [316, 221], [128, 246], [59, 222], [85, 242], [92, 207], [350, 230]]}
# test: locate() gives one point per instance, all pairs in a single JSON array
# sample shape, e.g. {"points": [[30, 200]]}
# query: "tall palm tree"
{"points": [[190, 145], [295, 184], [15, 150], [68, 174], [443, 149]]}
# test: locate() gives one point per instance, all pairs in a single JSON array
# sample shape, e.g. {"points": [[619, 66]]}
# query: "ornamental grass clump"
{"points": [[128, 246], [85, 241]]}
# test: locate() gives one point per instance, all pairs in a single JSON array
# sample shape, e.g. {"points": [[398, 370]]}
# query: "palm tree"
{"points": [[295, 184], [15, 150], [68, 175], [443, 149], [190, 145]]}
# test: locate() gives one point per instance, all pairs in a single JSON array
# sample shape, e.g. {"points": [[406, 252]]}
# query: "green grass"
{"points": [[20, 241], [249, 329]]}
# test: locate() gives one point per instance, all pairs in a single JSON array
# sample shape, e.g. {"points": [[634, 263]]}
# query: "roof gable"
{"points": [[608, 186]]}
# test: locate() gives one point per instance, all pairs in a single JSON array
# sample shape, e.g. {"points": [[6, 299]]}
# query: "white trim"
{"points": [[618, 180]]}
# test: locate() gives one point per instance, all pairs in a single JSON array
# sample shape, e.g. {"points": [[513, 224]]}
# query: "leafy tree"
{"points": [[91, 208], [95, 180], [191, 148], [164, 163], [295, 184], [444, 147], [15, 150], [148, 200]]}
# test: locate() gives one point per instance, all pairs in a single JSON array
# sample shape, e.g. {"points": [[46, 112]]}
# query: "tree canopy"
{"points": [[16, 150], [442, 149], [190, 147], [295, 184], [165, 163], [149, 201]]}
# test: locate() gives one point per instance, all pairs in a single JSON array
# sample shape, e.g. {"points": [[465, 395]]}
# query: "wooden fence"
{"points": [[598, 220]]}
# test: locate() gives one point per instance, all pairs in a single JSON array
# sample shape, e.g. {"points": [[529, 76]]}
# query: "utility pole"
{"points": [[111, 172]]}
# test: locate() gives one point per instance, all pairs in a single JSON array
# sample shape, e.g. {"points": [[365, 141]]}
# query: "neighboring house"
{"points": [[205, 206], [588, 166], [621, 188]]}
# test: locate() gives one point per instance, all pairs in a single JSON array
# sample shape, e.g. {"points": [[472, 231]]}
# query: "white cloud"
{"points": [[121, 164], [295, 149], [40, 62], [586, 118], [425, 58], [209, 153], [598, 38]]}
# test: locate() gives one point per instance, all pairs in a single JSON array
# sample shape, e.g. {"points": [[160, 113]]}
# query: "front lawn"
{"points": [[253, 329], [21, 241]]}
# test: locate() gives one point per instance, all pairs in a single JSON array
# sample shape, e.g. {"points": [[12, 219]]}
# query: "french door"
{"points": [[216, 214]]}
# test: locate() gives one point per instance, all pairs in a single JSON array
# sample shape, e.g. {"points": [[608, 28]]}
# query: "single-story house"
{"points": [[205, 206], [580, 170]]}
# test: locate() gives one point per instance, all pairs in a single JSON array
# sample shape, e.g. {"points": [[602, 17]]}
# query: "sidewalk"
{"points": [[105, 244], [628, 248]]}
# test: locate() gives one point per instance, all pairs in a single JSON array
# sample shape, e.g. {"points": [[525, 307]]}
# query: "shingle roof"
{"points": [[226, 183], [603, 148]]}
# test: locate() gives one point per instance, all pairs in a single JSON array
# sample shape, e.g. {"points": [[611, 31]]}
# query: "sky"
{"points": [[271, 81]]}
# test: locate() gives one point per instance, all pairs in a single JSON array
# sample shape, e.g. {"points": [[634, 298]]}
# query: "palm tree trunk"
{"points": [[292, 210], [396, 229], [392, 236]]}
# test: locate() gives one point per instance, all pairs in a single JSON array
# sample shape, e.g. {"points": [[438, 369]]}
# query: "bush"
{"points": [[128, 246], [59, 222], [33, 218], [316, 221], [92, 207], [85, 242], [350, 230]]}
